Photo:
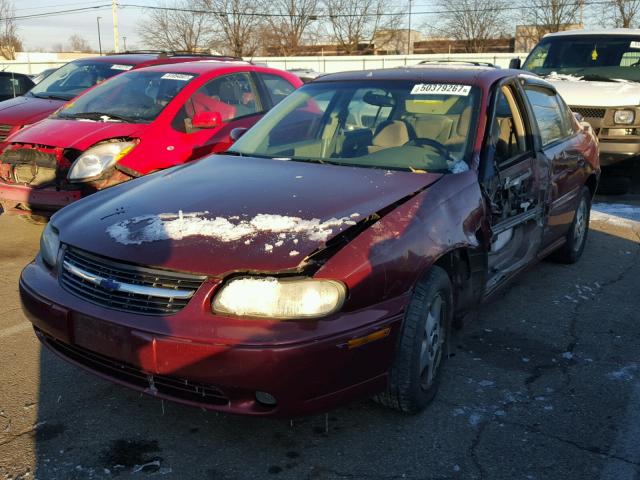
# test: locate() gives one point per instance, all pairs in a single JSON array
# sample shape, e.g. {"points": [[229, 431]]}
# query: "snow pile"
{"points": [[171, 226]]}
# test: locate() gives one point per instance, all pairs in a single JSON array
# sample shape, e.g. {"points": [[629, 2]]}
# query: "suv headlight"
{"points": [[49, 245], [624, 117], [279, 298], [92, 163]]}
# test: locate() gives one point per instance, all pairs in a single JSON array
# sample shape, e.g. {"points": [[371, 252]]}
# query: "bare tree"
{"points": [[625, 13], [238, 22], [289, 23], [78, 44], [10, 43], [355, 23], [473, 22], [176, 27], [549, 16]]}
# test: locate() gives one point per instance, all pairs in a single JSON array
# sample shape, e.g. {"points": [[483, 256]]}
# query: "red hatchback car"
{"points": [[326, 256], [133, 124], [71, 80]]}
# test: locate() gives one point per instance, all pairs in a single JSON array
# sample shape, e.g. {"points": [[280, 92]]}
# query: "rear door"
{"points": [[560, 143]]}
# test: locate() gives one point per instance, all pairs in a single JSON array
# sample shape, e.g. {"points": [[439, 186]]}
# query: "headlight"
{"points": [[624, 117], [282, 298], [49, 245], [97, 159]]}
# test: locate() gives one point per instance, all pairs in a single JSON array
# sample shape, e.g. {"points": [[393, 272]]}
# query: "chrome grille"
{"points": [[125, 287], [4, 131], [589, 112]]}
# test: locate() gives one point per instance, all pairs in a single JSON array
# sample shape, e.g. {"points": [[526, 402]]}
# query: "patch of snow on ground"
{"points": [[618, 214], [171, 226]]}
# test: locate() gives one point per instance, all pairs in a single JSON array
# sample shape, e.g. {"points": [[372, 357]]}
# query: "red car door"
{"points": [[235, 97]]}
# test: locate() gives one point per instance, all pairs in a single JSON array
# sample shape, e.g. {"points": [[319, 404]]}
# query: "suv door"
{"points": [[235, 97], [560, 144], [510, 174]]}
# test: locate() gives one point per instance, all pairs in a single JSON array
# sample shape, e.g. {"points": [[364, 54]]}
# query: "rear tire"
{"points": [[415, 374], [576, 238]]}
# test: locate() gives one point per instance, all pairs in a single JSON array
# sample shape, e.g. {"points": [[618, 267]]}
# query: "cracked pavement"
{"points": [[544, 384]]}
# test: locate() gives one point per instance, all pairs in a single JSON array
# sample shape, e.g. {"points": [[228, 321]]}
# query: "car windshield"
{"points": [[402, 125], [74, 78], [135, 97], [599, 58]]}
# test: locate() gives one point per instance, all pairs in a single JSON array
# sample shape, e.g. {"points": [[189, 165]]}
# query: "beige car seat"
{"points": [[393, 134]]}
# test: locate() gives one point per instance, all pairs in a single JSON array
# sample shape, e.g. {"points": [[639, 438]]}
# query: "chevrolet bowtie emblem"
{"points": [[109, 284]]}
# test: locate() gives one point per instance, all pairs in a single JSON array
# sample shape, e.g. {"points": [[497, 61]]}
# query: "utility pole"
{"points": [[99, 38], [124, 43], [116, 38], [409, 32]]}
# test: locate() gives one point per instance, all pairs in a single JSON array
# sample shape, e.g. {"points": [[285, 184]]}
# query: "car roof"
{"points": [[204, 66], [153, 58], [471, 75], [601, 32]]}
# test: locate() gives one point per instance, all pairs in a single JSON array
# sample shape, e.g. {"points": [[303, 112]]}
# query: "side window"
{"points": [[567, 117], [277, 87], [547, 112], [508, 133], [232, 95]]}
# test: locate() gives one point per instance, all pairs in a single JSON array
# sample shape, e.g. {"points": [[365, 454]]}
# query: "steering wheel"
{"points": [[440, 147]]}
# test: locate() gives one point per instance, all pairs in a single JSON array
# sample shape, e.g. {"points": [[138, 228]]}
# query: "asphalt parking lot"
{"points": [[545, 384]]}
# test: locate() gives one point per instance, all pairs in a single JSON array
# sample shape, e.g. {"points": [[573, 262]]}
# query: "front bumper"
{"points": [[37, 198], [157, 356]]}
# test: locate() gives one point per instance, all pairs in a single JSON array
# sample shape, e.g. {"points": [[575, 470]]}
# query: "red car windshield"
{"points": [[404, 125], [74, 78], [135, 97]]}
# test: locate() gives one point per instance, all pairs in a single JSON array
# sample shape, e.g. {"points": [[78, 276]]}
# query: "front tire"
{"points": [[415, 374], [576, 238]]}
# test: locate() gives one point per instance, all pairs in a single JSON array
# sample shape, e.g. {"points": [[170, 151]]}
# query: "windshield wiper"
{"points": [[51, 96], [99, 116], [592, 77]]}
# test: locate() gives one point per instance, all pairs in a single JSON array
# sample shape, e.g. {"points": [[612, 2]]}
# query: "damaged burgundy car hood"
{"points": [[78, 134], [228, 213]]}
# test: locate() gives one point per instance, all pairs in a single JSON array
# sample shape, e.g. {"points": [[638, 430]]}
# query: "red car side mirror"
{"points": [[206, 120]]}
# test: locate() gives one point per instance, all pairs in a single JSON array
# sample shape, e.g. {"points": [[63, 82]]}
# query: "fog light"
{"points": [[266, 399], [624, 117]]}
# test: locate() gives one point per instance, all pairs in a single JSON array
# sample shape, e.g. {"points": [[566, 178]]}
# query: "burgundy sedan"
{"points": [[326, 256]]}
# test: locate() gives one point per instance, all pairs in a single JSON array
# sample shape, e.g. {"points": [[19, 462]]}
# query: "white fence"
{"points": [[331, 64], [30, 63]]}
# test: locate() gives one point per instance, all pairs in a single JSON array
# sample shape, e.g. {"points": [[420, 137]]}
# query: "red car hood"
{"points": [[77, 134], [227, 213], [26, 110]]}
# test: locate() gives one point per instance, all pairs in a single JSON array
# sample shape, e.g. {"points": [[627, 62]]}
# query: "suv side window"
{"points": [[277, 87], [233, 95], [508, 133], [548, 114]]}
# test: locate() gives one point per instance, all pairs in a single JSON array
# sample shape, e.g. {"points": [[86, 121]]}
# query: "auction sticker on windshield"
{"points": [[177, 76], [117, 66], [440, 89]]}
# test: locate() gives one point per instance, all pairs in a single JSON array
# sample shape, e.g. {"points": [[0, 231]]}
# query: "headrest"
{"points": [[392, 134]]}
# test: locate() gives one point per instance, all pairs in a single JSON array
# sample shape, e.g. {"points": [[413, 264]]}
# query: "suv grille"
{"points": [[4, 131], [589, 112], [126, 287], [177, 388]]}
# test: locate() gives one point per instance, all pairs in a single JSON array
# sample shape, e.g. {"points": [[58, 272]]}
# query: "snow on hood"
{"points": [[577, 92], [170, 226]]}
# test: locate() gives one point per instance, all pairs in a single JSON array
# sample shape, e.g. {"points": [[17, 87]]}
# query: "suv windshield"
{"points": [[136, 97], [75, 77], [590, 57], [382, 124]]}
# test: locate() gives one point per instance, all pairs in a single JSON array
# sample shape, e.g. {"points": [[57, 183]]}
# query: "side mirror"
{"points": [[236, 133], [578, 117], [206, 120], [515, 63]]}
